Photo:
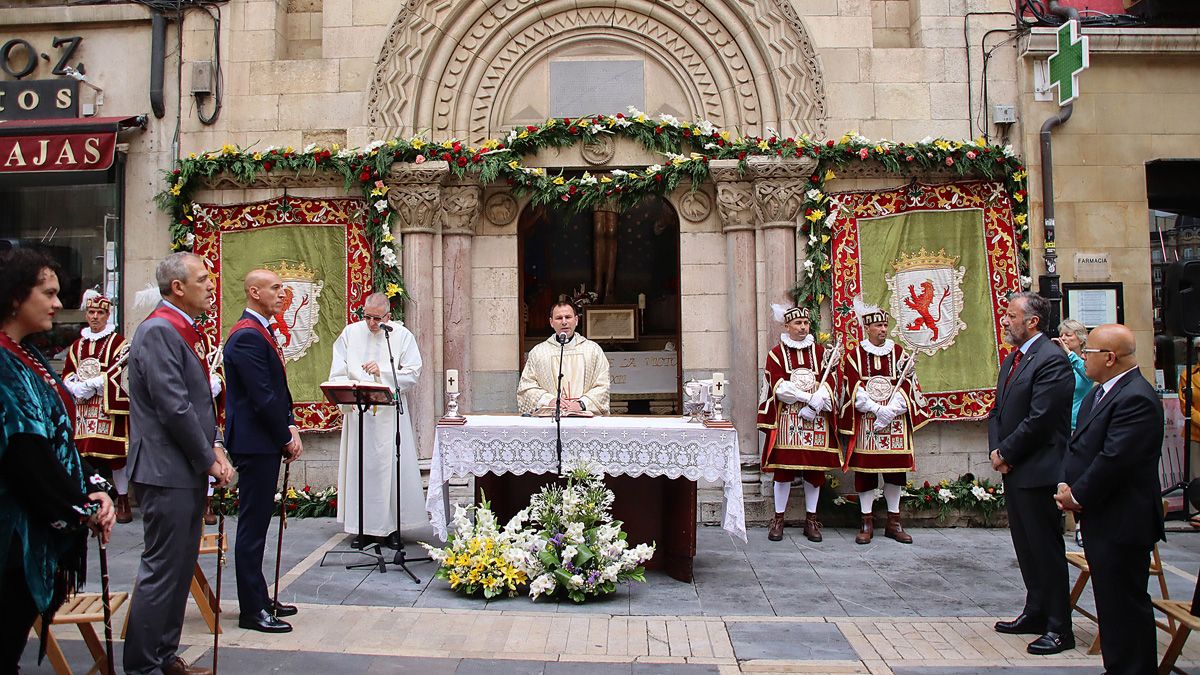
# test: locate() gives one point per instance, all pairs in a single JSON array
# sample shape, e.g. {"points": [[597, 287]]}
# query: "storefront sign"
{"points": [[58, 152], [39, 99]]}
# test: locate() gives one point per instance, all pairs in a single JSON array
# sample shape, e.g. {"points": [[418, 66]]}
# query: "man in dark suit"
{"points": [[1027, 431], [259, 430], [173, 447], [1110, 479]]}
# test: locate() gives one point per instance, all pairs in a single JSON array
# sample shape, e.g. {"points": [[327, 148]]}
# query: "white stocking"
{"points": [[892, 494], [866, 500], [782, 491], [121, 481], [812, 493]]}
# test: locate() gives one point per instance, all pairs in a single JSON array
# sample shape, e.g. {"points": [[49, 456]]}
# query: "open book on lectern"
{"points": [[353, 392]]}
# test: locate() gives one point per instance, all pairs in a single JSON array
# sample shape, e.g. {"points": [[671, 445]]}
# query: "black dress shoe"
{"points": [[1051, 643], [366, 541], [263, 622], [1022, 625], [392, 541], [281, 610]]}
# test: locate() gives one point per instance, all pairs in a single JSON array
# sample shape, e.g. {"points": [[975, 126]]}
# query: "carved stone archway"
{"points": [[447, 66]]}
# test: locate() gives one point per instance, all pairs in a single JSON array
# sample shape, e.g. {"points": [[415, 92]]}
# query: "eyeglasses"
{"points": [[1093, 350], [371, 317]]}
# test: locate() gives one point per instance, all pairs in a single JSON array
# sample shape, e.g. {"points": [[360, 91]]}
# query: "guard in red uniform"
{"points": [[881, 408], [796, 412], [94, 373]]}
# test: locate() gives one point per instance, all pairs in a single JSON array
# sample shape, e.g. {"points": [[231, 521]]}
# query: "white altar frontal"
{"points": [[620, 446]]}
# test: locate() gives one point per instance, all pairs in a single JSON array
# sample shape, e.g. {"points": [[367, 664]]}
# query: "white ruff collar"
{"points": [[91, 336], [802, 344], [884, 349]]}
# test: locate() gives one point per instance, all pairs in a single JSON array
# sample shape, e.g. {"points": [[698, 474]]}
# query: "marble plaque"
{"points": [[596, 87]]}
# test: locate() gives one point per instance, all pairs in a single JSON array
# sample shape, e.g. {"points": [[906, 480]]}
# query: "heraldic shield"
{"points": [[927, 300], [296, 323]]}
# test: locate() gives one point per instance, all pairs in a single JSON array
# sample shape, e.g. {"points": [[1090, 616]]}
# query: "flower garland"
{"points": [[966, 493], [686, 147]]}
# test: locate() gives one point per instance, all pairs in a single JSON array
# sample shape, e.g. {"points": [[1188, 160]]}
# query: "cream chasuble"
{"points": [[354, 347], [585, 375]]}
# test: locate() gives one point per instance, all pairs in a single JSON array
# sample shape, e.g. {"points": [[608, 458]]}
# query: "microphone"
{"points": [[385, 328], [562, 338]]}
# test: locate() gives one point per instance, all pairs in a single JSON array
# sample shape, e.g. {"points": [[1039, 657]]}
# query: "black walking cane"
{"points": [[106, 600], [220, 567], [287, 470]]}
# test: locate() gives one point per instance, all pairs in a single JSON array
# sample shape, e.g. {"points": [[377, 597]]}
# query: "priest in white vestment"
{"points": [[584, 366], [361, 354]]}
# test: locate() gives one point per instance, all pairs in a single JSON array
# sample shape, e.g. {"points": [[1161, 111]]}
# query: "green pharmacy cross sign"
{"points": [[1068, 61]]}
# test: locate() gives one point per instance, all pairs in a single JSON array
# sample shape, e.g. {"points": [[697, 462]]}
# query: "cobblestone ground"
{"points": [[789, 606]]}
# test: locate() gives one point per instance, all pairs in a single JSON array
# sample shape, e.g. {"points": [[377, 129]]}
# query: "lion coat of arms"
{"points": [[296, 323], [927, 300]]}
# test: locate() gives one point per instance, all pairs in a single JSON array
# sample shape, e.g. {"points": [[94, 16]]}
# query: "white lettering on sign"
{"points": [[643, 372]]}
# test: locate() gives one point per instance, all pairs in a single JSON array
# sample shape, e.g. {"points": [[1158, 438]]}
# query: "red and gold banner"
{"points": [[941, 260], [320, 250]]}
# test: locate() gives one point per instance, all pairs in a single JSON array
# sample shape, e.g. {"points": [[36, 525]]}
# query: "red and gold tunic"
{"points": [[102, 421], [889, 450], [793, 442]]}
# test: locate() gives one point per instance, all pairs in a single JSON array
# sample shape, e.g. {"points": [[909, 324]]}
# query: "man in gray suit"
{"points": [[173, 447]]}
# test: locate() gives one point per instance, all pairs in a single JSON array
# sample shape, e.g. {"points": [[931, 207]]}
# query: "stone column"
{"points": [[414, 196], [735, 200], [779, 186], [461, 206]]}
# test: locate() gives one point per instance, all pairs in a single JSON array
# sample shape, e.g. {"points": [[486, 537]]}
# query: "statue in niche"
{"points": [[604, 256]]}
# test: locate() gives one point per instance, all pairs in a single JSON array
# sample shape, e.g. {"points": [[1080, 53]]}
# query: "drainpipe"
{"points": [[158, 54], [1048, 284]]}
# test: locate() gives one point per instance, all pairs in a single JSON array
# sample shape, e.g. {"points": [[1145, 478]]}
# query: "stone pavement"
{"points": [[790, 606]]}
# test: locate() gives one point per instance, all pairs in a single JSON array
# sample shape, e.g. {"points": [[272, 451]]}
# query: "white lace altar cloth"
{"points": [[622, 446]]}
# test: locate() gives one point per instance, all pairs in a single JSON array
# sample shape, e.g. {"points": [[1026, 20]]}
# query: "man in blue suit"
{"points": [[259, 431]]}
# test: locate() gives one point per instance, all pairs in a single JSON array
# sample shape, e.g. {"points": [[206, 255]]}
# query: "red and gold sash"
{"points": [[33, 363], [186, 330], [256, 325]]}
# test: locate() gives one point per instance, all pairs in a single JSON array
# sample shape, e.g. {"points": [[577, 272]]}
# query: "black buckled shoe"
{"points": [[1051, 643], [263, 622], [1022, 625], [280, 610]]}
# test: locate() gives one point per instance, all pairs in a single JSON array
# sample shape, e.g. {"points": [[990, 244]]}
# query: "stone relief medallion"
{"points": [[695, 205], [599, 150], [500, 208]]}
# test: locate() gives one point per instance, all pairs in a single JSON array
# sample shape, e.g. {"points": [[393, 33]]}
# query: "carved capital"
{"points": [[735, 196], [461, 206], [415, 196], [319, 178], [779, 186]]}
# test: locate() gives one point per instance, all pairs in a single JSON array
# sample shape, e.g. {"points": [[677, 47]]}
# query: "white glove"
{"points": [[788, 392], [863, 403], [897, 406], [80, 390], [96, 384], [883, 418], [808, 413], [820, 401], [214, 384]]}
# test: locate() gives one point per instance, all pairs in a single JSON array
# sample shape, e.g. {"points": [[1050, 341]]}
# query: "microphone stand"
{"points": [[399, 560], [562, 346]]}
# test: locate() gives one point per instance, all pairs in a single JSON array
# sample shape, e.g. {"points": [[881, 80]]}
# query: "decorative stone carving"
{"points": [[461, 206], [735, 196], [599, 150], [449, 66], [779, 186], [695, 205], [500, 208], [270, 179], [415, 196]]}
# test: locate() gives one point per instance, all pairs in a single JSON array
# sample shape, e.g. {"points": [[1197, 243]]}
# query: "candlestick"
{"points": [[641, 301], [718, 377], [452, 381]]}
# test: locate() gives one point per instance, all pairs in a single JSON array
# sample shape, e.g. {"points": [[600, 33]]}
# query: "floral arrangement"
{"points": [[302, 503], [479, 556], [686, 148], [584, 551], [565, 541], [966, 493]]}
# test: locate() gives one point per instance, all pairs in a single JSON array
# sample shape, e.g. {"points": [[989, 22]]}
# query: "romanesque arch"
{"points": [[449, 65]]}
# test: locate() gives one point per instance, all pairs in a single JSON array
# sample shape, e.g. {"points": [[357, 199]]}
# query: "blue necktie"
{"points": [[1099, 395]]}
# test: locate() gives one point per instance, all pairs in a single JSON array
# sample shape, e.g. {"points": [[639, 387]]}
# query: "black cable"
{"points": [[218, 77], [987, 56], [967, 48]]}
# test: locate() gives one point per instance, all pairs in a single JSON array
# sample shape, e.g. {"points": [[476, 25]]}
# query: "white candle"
{"points": [[451, 381], [718, 377], [641, 301]]}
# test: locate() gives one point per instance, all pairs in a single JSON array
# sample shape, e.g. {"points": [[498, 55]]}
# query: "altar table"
{"points": [[662, 457]]}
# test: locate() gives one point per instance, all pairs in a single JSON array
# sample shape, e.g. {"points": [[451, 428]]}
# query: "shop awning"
{"points": [[56, 145]]}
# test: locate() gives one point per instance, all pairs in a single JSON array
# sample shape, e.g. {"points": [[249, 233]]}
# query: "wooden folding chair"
{"points": [[83, 610], [202, 592], [1179, 614], [1079, 559]]}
